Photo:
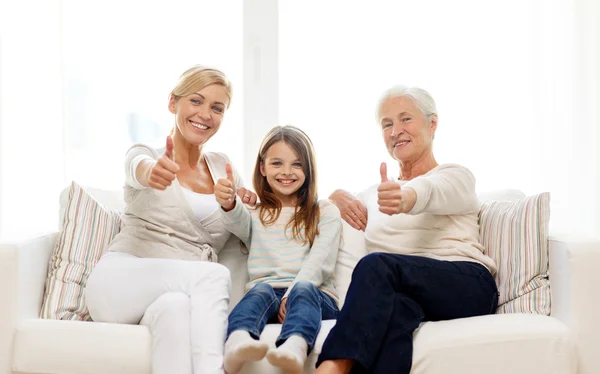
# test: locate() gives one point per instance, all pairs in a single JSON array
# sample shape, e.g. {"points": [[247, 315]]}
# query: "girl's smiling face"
{"points": [[283, 171]]}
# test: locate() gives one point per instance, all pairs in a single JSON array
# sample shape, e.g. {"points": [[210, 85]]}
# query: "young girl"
{"points": [[293, 240]]}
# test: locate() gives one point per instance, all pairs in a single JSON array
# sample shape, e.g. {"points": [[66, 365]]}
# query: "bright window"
{"points": [[121, 60]]}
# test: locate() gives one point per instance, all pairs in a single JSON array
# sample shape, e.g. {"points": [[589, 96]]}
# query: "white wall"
{"points": [[562, 141], [31, 143], [261, 77]]}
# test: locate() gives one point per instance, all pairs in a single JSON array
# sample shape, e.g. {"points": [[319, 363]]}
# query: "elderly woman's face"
{"points": [[407, 132]]}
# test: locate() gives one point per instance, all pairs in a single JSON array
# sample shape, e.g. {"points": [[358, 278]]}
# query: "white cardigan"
{"points": [[161, 224]]}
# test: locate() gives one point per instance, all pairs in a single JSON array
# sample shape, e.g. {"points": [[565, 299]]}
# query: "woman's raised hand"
{"points": [[163, 172], [351, 209], [225, 190], [392, 198], [389, 194]]}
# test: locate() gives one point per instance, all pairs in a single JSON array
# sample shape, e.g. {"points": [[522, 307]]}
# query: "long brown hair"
{"points": [[307, 213]]}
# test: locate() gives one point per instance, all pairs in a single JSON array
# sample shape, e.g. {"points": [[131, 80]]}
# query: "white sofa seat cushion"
{"points": [[75, 347], [495, 344]]}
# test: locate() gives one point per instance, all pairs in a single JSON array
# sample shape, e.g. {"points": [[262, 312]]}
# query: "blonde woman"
{"points": [[161, 269]]}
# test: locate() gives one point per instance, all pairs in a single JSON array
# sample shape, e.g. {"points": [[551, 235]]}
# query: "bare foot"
{"points": [[335, 367]]}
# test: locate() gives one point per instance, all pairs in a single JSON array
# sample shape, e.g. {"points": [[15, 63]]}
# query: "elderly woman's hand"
{"points": [[392, 199], [351, 209]]}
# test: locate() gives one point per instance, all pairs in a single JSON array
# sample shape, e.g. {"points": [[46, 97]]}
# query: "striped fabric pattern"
{"points": [[87, 229], [515, 236], [280, 260]]}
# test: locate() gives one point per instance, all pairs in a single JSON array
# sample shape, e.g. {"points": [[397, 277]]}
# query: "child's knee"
{"points": [[304, 288]]}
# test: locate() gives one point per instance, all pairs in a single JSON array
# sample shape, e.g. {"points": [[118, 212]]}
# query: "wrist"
{"points": [[228, 208], [409, 199], [146, 172]]}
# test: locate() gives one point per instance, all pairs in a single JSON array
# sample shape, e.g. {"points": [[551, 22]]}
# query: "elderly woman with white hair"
{"points": [[421, 229]]}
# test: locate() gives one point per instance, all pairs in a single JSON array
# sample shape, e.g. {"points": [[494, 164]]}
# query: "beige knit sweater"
{"points": [[442, 225]]}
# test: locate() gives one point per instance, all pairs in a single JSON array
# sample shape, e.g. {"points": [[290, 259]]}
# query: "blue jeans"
{"points": [[305, 308], [390, 295]]}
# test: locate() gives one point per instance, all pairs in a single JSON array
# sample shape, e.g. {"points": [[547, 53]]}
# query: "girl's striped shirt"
{"points": [[278, 259]]}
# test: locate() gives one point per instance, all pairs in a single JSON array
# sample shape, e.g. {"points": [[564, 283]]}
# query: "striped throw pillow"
{"points": [[515, 236], [87, 229]]}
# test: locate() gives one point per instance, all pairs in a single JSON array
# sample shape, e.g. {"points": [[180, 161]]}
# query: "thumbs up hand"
{"points": [[164, 171], [225, 190], [389, 194], [392, 198]]}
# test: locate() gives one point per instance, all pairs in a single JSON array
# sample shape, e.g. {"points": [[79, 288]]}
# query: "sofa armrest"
{"points": [[574, 278], [23, 269]]}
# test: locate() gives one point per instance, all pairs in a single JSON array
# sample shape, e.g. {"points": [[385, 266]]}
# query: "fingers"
{"points": [[224, 189], [361, 214], [364, 211], [229, 172], [355, 224], [282, 310], [253, 199], [390, 211], [247, 196], [169, 149], [160, 172], [355, 215], [383, 172], [244, 194], [159, 177], [390, 202], [168, 164], [159, 181]]}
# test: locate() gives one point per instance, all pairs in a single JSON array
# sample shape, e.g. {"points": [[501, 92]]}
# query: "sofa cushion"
{"points": [[495, 344], [352, 249], [52, 346], [110, 199], [515, 236], [87, 230]]}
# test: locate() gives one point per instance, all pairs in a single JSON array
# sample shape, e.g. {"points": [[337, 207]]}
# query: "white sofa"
{"points": [[568, 342]]}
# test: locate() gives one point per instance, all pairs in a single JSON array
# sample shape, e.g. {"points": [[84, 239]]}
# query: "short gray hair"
{"points": [[419, 96]]}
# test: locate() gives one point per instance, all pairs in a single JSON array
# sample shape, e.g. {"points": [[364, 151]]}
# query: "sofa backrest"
{"points": [[232, 256]]}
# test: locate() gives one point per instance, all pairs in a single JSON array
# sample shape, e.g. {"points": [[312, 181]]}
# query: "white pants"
{"points": [[184, 304]]}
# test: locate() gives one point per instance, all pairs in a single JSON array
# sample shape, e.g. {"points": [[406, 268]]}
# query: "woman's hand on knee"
{"points": [[351, 209]]}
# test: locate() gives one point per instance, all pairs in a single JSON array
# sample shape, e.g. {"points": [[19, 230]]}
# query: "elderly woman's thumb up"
{"points": [[391, 197], [163, 172]]}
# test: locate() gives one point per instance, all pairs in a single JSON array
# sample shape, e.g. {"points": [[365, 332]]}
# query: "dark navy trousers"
{"points": [[390, 295]]}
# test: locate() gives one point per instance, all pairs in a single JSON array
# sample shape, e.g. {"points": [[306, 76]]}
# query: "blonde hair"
{"points": [[199, 77], [307, 213]]}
